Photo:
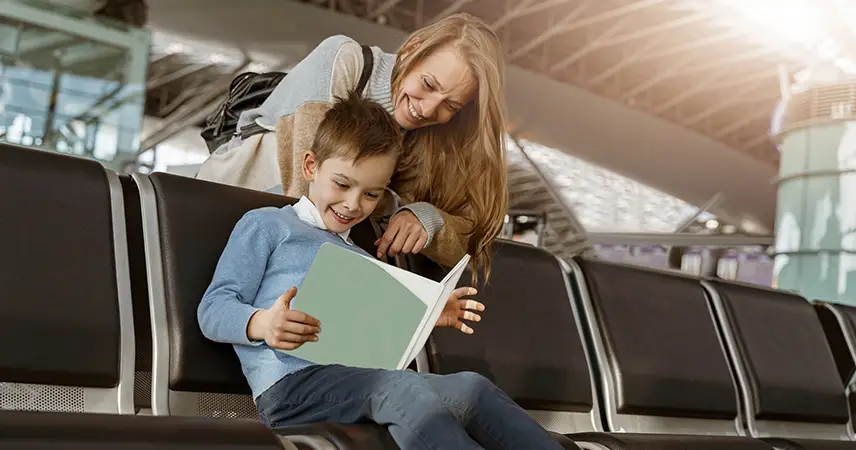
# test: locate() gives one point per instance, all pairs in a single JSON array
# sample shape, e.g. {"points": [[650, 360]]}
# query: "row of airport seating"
{"points": [[101, 275]]}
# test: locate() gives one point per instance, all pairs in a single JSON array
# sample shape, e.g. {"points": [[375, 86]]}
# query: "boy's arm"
{"points": [[227, 305]]}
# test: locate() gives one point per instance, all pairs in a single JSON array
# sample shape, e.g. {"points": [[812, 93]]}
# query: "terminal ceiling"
{"points": [[676, 94]]}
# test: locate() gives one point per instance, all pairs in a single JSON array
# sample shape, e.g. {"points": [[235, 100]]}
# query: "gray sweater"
{"points": [[331, 70]]}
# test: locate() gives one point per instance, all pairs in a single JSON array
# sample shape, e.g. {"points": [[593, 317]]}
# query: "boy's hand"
{"points": [[282, 327], [458, 309]]}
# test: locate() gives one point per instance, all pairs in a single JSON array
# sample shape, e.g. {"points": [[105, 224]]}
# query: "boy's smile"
{"points": [[346, 193]]}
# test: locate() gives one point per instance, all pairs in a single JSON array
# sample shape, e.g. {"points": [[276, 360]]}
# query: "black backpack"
{"points": [[247, 91]]}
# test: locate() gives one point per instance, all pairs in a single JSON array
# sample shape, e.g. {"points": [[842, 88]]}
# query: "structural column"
{"points": [[816, 211]]}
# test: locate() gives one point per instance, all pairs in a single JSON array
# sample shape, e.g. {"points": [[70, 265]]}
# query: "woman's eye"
{"points": [[342, 186], [427, 83]]}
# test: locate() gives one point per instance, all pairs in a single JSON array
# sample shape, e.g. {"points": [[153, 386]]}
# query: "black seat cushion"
{"points": [[528, 342], [790, 368], [350, 437], [344, 437], [629, 441], [196, 219], [60, 317], [661, 340], [809, 444], [43, 431]]}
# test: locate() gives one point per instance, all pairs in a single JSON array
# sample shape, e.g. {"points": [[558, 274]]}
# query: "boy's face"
{"points": [[346, 193]]}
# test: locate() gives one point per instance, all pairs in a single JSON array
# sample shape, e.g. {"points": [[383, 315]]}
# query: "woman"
{"points": [[444, 88]]}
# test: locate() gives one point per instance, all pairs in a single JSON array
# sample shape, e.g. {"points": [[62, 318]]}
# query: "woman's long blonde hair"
{"points": [[461, 166]]}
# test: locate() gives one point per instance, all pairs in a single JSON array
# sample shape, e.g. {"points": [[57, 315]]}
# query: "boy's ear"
{"points": [[310, 166]]}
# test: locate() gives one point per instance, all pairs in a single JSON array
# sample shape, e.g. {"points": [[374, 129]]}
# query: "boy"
{"points": [[351, 162]]}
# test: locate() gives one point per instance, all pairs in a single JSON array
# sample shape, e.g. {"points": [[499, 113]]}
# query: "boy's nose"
{"points": [[352, 202]]}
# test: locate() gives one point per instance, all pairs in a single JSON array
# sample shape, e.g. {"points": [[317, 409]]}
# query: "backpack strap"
{"points": [[368, 63]]}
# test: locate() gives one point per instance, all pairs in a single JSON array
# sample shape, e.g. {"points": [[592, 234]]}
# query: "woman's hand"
{"points": [[405, 235], [458, 309]]}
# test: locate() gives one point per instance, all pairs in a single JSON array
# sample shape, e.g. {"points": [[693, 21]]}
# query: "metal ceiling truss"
{"points": [[667, 58]]}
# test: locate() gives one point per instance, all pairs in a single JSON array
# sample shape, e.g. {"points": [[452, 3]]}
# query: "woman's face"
{"points": [[434, 90]]}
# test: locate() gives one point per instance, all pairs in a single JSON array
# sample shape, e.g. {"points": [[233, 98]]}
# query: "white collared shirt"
{"points": [[308, 212]]}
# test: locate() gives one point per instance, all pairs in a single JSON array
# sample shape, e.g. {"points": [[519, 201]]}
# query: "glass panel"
{"points": [[604, 200], [63, 92]]}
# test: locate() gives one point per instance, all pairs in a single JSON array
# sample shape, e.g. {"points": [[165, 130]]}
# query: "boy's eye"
{"points": [[341, 185], [372, 195]]}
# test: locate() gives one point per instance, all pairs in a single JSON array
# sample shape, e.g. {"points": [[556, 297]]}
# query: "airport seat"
{"points": [[632, 441], [839, 325], [67, 431], [186, 224], [526, 298], [530, 343], [66, 324], [792, 396], [664, 376]]}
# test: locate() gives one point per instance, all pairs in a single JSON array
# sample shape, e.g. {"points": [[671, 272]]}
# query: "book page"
{"points": [[424, 288], [450, 282]]}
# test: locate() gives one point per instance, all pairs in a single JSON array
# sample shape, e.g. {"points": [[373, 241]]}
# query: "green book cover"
{"points": [[372, 314]]}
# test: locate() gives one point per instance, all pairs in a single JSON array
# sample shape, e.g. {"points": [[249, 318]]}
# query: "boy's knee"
{"points": [[404, 383], [472, 386]]}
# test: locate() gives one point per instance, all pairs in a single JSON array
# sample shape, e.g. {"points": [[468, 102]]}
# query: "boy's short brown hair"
{"points": [[356, 128]]}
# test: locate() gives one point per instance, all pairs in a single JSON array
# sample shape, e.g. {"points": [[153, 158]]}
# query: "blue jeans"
{"points": [[422, 411]]}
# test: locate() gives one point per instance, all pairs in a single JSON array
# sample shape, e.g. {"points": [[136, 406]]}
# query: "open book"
{"points": [[372, 314]]}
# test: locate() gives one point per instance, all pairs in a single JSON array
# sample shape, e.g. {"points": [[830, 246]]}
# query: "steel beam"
{"points": [[625, 61], [677, 71], [590, 46], [383, 8], [451, 9], [525, 8], [762, 114], [710, 84], [649, 83], [552, 31], [569, 23], [694, 45], [155, 83], [654, 30], [94, 31], [700, 87], [735, 98], [678, 239]]}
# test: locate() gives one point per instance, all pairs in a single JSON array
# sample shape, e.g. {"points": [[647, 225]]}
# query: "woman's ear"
{"points": [[310, 166]]}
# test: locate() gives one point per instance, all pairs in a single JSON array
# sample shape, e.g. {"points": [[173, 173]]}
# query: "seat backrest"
{"points": [[66, 325], [790, 385], [186, 224], [839, 326], [528, 342], [662, 364]]}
